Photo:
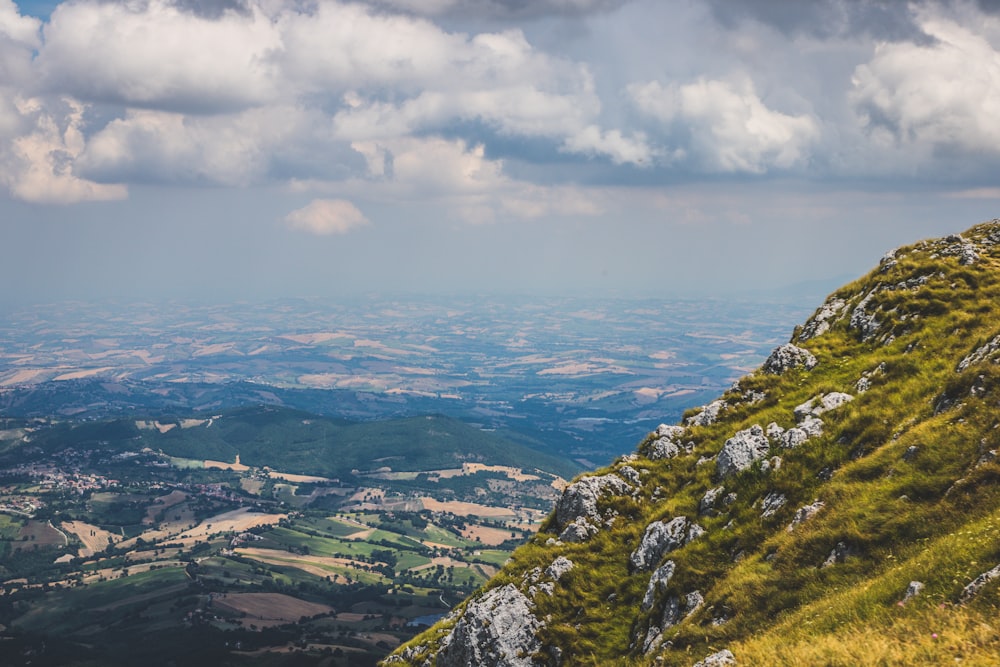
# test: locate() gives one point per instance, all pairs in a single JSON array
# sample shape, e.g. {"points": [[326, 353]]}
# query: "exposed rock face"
{"points": [[497, 629], [675, 610], [772, 503], [913, 590], [863, 321], [820, 323], [657, 582], [560, 566], [669, 443], [805, 513], [741, 450], [576, 512], [786, 357], [981, 354], [660, 538], [723, 658], [817, 405], [708, 415], [707, 503], [978, 583]]}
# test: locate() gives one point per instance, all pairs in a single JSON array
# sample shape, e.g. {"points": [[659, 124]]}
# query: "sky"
{"points": [[235, 149]]}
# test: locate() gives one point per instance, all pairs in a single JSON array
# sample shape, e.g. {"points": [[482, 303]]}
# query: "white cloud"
{"points": [[232, 149], [149, 53], [730, 127], [945, 93], [327, 216], [460, 179], [38, 166]]}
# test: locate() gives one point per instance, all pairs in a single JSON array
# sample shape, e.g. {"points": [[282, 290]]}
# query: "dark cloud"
{"points": [[881, 19], [499, 9], [213, 9]]}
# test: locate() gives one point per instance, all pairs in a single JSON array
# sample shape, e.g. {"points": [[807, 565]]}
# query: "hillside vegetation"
{"points": [[840, 506]]}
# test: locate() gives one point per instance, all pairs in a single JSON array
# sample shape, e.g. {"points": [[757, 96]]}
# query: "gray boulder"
{"points": [[978, 583], [560, 566], [580, 530], [497, 629], [805, 513], [709, 414], [707, 503], [863, 321], [578, 503], [657, 582], [786, 357], [772, 503], [660, 538], [818, 405], [820, 323], [741, 450], [723, 658], [668, 444]]}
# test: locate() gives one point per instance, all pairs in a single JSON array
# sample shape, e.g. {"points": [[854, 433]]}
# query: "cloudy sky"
{"points": [[242, 148]]}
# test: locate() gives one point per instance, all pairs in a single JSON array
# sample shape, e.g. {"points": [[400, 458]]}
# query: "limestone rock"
{"points": [[708, 415], [978, 583], [578, 504], [707, 503], [805, 513], [741, 450], [772, 503], [580, 530], [675, 610], [668, 444], [657, 581], [660, 538], [864, 321], [775, 434], [981, 354], [818, 405], [838, 554], [786, 357], [560, 566], [820, 323], [723, 658], [497, 629], [913, 590]]}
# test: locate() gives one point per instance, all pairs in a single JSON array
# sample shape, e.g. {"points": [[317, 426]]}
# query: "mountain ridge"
{"points": [[838, 506]]}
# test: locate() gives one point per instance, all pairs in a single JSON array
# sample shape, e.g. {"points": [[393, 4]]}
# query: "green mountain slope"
{"points": [[840, 506], [300, 442]]}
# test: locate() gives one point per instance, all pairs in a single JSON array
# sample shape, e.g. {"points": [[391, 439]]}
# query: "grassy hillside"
{"points": [[807, 554]]}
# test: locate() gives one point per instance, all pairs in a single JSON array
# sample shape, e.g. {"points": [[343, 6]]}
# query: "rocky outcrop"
{"points": [[741, 450], [820, 323], [981, 354], [675, 610], [723, 658], [818, 405], [709, 414], [657, 582], [668, 443], [805, 513], [577, 515], [771, 504], [660, 538], [786, 357], [497, 629], [977, 584], [708, 502], [864, 321]]}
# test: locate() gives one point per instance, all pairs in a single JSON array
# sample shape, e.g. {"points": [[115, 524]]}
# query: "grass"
{"points": [[898, 470]]}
